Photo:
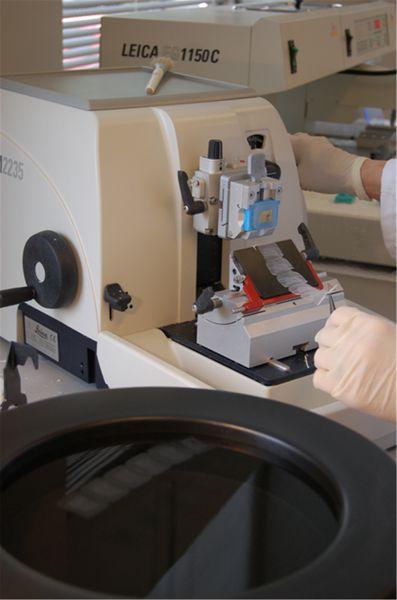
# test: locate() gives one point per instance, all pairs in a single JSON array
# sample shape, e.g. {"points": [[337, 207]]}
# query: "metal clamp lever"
{"points": [[206, 302], [191, 206], [277, 364], [311, 250]]}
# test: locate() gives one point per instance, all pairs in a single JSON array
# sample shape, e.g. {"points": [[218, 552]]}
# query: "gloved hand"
{"points": [[324, 168], [356, 361]]}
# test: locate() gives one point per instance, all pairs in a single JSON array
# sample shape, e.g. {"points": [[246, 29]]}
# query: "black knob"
{"points": [[273, 169], [116, 297], [349, 39], [215, 149], [256, 141], [293, 61], [192, 207]]}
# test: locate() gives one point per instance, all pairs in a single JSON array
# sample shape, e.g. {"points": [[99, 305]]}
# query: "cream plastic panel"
{"points": [[59, 191]]}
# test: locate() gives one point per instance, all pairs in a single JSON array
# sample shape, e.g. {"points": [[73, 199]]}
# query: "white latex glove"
{"points": [[356, 361], [326, 169]]}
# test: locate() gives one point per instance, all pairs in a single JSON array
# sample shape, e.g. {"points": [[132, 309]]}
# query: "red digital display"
{"points": [[377, 24]]}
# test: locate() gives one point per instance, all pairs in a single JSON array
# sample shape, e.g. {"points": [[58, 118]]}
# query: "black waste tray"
{"points": [[181, 493]]}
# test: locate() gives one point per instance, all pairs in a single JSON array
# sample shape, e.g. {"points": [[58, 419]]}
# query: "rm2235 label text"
{"points": [[12, 168]]}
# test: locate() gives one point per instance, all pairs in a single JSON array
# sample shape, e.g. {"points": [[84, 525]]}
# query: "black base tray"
{"points": [[300, 364]]}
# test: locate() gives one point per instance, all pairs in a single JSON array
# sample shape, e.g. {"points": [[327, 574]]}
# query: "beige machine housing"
{"points": [[97, 162], [267, 50]]}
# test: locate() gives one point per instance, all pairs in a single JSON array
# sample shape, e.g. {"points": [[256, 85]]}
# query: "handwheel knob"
{"points": [[58, 286]]}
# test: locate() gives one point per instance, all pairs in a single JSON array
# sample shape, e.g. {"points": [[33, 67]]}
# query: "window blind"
{"points": [[81, 23]]}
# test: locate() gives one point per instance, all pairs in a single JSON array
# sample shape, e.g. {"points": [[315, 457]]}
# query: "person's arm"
{"points": [[329, 170], [371, 176], [356, 361]]}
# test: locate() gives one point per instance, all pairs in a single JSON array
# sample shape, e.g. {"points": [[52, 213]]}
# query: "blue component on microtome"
{"points": [[262, 214]]}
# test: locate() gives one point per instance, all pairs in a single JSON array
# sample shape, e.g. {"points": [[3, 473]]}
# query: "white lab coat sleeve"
{"points": [[388, 206]]}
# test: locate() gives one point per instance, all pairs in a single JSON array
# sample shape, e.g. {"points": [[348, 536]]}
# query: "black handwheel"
{"points": [[58, 284]]}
